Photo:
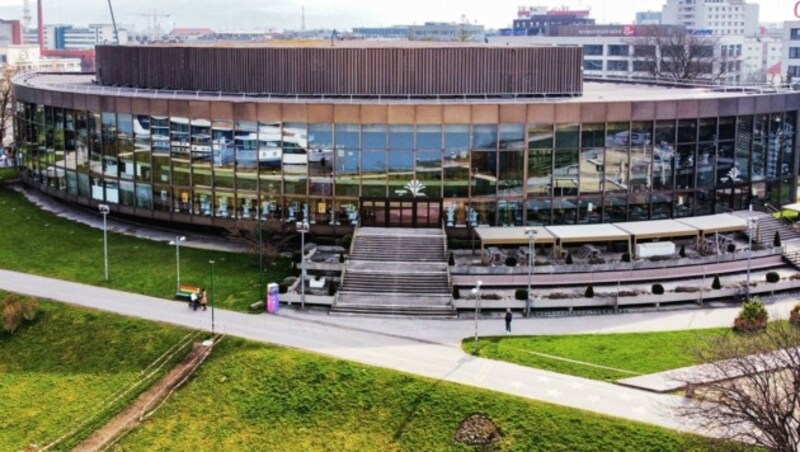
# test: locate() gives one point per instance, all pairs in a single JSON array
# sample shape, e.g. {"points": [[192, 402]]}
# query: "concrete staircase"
{"points": [[396, 272], [767, 225]]}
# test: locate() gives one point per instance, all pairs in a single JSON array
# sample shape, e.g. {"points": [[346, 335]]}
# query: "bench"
{"points": [[186, 291]]}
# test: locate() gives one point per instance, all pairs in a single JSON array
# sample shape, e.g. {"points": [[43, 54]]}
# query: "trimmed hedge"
{"points": [[589, 292], [773, 277], [521, 294], [657, 289]]}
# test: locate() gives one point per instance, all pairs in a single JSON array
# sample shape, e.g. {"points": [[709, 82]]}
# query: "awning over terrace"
{"points": [[792, 207], [657, 229], [710, 224], [617, 232]]}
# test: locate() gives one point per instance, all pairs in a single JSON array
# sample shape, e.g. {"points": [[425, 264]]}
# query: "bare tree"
{"points": [[6, 100], [673, 53], [750, 389], [275, 236]]}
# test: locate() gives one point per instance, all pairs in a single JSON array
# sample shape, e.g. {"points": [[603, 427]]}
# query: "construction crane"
{"points": [[113, 22], [154, 15]]}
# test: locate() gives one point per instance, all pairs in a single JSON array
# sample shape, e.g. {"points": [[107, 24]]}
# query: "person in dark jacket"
{"points": [[508, 320]]}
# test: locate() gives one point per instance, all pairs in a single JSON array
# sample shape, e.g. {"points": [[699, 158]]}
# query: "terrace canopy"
{"points": [[657, 229], [586, 233], [792, 207], [710, 224], [490, 236]]}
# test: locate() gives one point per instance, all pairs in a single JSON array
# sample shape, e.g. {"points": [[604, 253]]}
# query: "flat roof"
{"points": [[512, 235], [592, 92], [723, 222], [588, 233], [657, 229]]}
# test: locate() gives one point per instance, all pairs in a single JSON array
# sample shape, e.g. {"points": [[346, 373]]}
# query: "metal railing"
{"points": [[718, 85]]}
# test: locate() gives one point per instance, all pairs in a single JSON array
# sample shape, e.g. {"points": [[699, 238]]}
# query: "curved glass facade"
{"points": [[505, 174]]}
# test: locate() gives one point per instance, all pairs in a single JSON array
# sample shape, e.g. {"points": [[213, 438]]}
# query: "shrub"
{"points": [[511, 261], [569, 259], [626, 257], [283, 288], [521, 294], [753, 317], [559, 296], [794, 315], [773, 277], [491, 296], [341, 258], [296, 271], [589, 292], [731, 248], [716, 284], [682, 252], [456, 293], [776, 241], [451, 260], [331, 289], [657, 289], [687, 289], [16, 310]]}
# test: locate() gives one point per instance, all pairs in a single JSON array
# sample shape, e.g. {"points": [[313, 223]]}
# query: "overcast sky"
{"points": [[340, 14]]}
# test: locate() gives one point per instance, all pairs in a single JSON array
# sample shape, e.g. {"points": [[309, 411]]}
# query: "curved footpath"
{"points": [[430, 348]]}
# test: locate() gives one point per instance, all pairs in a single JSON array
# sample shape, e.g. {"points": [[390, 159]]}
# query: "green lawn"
{"points": [[636, 353], [62, 367], [255, 397], [34, 241], [7, 174]]}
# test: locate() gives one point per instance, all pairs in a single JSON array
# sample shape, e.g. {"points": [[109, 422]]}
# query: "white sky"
{"points": [[340, 14]]}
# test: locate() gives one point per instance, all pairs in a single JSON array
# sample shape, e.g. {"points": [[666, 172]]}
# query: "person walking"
{"points": [[203, 299], [509, 317]]}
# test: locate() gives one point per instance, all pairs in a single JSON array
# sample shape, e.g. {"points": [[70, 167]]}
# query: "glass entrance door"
{"points": [[401, 213]]}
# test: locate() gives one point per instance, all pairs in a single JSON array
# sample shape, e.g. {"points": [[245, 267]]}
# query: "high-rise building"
{"points": [[71, 37], [539, 21], [648, 18], [719, 17]]}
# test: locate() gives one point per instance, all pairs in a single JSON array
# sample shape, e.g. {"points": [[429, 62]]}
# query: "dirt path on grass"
{"points": [[149, 400]]}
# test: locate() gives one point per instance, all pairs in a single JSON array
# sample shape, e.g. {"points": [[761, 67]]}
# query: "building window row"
{"points": [[498, 174]]}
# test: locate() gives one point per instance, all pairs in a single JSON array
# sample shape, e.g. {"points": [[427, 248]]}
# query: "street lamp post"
{"points": [[260, 252], [531, 234], [212, 295], [303, 227], [177, 243], [476, 292], [752, 223], [104, 210]]}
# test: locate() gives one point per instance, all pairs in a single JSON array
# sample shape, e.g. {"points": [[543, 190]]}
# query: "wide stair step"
{"points": [[401, 272]]}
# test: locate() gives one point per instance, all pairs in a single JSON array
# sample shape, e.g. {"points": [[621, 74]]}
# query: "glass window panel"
{"points": [[684, 173], [511, 136], [95, 127], [484, 173], [565, 211], [725, 158], [428, 166], [665, 132], [348, 162], [774, 146], [401, 171], [429, 138], [373, 173], [127, 168], [347, 136], [223, 154], [593, 135], [687, 131], [127, 196], [81, 141], [787, 165], [592, 168], [375, 136], [321, 135], [641, 163], [144, 196], [401, 137], [618, 134], [484, 137], [590, 210], [162, 198], [706, 165], [109, 137], [160, 133], [540, 171], [200, 145], [663, 163], [456, 172], [567, 136], [296, 154], [540, 136], [246, 148], [203, 202], [727, 128], [142, 149], [456, 138], [483, 213], [566, 173], [707, 129], [744, 144], [511, 169], [615, 175]]}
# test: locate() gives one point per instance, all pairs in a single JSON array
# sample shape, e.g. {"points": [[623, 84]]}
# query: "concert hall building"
{"points": [[396, 134]]}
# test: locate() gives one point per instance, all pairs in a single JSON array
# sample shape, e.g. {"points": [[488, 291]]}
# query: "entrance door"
{"points": [[401, 212]]}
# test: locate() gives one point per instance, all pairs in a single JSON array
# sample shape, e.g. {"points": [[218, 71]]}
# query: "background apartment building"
{"points": [[720, 17]]}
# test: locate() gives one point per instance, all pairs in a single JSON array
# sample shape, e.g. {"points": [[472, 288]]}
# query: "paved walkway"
{"points": [[149, 232], [430, 348]]}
